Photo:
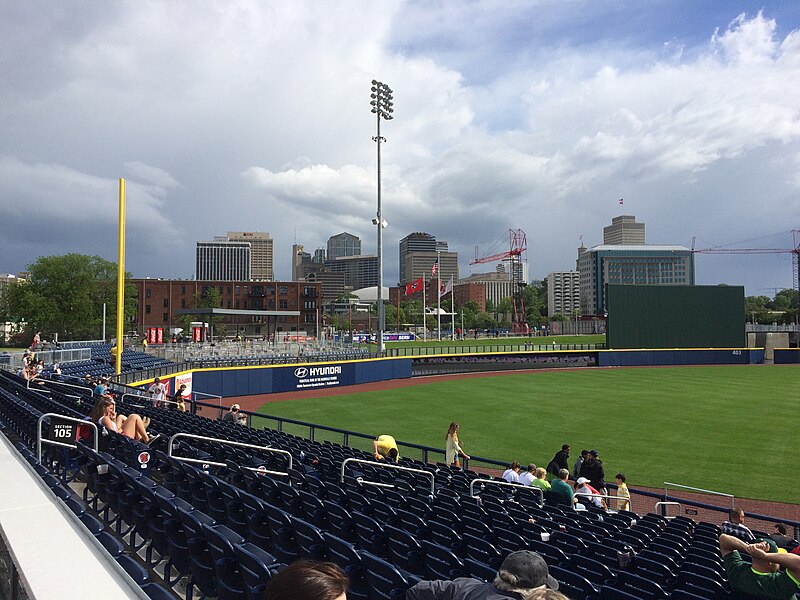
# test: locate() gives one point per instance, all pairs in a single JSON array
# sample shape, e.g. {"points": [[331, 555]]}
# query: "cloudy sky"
{"points": [[539, 115]]}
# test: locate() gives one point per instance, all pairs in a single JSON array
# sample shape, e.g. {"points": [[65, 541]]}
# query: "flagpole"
{"points": [[439, 298], [424, 325], [452, 311]]}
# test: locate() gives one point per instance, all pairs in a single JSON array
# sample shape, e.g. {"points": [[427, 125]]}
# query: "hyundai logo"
{"points": [[300, 372]]}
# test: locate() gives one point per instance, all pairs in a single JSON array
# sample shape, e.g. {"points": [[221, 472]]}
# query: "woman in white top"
{"points": [[105, 413], [452, 448]]}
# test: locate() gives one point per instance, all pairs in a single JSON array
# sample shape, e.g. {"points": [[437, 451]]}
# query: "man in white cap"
{"points": [[523, 574]]}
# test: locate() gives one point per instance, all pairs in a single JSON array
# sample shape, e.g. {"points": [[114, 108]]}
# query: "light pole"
{"points": [[382, 107]]}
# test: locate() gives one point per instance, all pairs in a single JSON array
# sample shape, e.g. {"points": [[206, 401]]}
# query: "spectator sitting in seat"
{"points": [[523, 574], [735, 526], [385, 448], [762, 578], [560, 491], [235, 416], [783, 540], [589, 493], [308, 579], [105, 413], [528, 476], [540, 480], [511, 474]]}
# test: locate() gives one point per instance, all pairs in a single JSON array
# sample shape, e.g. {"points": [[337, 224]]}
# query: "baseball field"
{"points": [[726, 428]]}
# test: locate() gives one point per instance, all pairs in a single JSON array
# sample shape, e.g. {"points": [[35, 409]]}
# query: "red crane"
{"points": [[795, 252], [517, 244]]}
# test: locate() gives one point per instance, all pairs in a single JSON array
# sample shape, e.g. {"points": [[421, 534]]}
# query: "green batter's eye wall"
{"points": [[667, 316]]}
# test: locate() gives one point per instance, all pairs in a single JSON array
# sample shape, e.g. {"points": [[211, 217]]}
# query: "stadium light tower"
{"points": [[381, 102]]}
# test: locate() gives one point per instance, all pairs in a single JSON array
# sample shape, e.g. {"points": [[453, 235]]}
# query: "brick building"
{"points": [[159, 299]]}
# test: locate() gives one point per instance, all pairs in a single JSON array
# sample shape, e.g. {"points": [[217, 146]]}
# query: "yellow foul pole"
{"points": [[120, 277]]}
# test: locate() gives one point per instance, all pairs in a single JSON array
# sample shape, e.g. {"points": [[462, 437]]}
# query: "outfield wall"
{"points": [[666, 357], [254, 380], [786, 356], [263, 379]]}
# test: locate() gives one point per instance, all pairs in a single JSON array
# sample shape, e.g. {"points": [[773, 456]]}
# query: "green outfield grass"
{"points": [[730, 428], [471, 342]]}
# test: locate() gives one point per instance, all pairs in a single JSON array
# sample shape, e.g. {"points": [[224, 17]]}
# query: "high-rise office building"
{"points": [[221, 260], [630, 265], [563, 292], [261, 253], [343, 244], [319, 256], [418, 253], [624, 231], [300, 258], [359, 271]]}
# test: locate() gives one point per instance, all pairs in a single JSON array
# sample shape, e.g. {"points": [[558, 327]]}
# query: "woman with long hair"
{"points": [[105, 413], [453, 446], [308, 580]]}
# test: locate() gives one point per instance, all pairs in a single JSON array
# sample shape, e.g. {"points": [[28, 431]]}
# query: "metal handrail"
{"points": [[229, 443], [517, 486], [609, 496], [39, 439], [660, 504], [694, 489], [386, 466]]}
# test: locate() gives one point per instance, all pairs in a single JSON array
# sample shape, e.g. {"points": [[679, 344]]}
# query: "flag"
{"points": [[435, 268], [414, 286], [446, 288], [621, 201]]}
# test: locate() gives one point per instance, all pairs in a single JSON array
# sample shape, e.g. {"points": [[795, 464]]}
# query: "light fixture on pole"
{"points": [[382, 107]]}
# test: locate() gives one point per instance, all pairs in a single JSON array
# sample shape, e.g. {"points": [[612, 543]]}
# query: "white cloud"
{"points": [[238, 115]]}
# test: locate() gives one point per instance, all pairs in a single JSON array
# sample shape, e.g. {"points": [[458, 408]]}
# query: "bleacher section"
{"points": [[222, 524], [102, 363]]}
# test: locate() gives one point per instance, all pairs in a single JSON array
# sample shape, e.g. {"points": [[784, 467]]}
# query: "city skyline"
{"points": [[522, 115]]}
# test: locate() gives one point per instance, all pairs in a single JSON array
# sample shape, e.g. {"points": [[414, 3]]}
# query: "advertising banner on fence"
{"points": [[184, 379], [319, 376], [387, 337]]}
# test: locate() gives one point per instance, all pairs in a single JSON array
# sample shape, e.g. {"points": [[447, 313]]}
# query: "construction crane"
{"points": [[795, 252], [517, 244]]}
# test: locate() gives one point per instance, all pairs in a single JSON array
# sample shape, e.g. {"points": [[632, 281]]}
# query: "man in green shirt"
{"points": [[762, 579], [560, 490]]}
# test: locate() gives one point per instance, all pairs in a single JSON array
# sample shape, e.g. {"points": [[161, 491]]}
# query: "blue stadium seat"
{"points": [[573, 585], [404, 550], [347, 557], [385, 581], [310, 543], [221, 541], [256, 568], [136, 571], [479, 570], [441, 562]]}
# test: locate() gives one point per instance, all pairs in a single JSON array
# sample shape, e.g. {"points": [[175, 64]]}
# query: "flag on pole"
{"points": [[621, 201], [435, 268], [446, 288], [414, 286]]}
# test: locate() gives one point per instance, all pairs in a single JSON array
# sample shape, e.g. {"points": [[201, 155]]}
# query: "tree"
{"points": [[65, 296], [209, 297]]}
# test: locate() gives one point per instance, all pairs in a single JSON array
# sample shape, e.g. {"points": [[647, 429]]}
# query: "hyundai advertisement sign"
{"points": [[387, 337]]}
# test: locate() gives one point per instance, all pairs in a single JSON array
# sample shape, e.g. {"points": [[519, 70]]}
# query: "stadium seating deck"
{"points": [[204, 530]]}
